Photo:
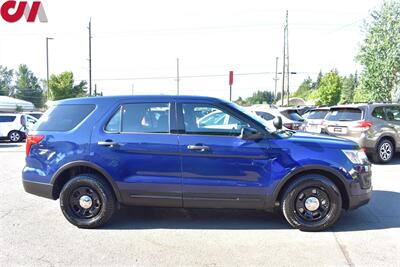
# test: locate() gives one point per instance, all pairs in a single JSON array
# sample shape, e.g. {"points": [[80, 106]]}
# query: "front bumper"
{"points": [[360, 187], [39, 189]]}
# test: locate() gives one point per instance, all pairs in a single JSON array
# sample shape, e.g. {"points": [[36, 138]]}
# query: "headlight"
{"points": [[356, 156]]}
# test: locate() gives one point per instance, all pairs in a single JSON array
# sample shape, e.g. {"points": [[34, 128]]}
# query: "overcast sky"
{"points": [[133, 40]]}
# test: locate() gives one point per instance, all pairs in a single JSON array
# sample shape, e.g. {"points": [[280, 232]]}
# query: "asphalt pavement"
{"points": [[33, 232]]}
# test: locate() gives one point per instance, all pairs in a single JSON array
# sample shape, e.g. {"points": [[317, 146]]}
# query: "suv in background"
{"points": [[290, 118], [375, 127], [95, 153], [15, 126]]}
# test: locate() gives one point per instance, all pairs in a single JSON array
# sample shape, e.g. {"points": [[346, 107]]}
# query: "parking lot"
{"points": [[34, 232]]}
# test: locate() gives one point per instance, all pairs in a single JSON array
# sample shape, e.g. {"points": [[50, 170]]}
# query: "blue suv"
{"points": [[190, 152]]}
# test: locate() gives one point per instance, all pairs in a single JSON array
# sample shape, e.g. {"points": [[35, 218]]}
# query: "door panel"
{"points": [[219, 169], [145, 166]]}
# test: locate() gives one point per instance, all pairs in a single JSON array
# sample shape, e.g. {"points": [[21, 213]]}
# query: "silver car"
{"points": [[314, 118], [375, 127]]}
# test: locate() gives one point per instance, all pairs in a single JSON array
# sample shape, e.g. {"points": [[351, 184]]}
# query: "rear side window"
{"points": [[63, 118], [379, 113], [344, 114], [292, 115], [140, 118], [317, 114], [7, 118]]}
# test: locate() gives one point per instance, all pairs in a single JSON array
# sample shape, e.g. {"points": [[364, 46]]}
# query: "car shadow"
{"points": [[370, 217]]}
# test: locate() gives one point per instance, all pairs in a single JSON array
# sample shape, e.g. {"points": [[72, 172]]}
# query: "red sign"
{"points": [[13, 11], [230, 78]]}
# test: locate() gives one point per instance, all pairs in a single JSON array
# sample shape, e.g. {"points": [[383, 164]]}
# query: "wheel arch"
{"points": [[389, 137], [69, 170], [329, 173]]}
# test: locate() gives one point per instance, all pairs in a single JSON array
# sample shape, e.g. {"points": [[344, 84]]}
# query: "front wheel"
{"points": [[312, 203], [87, 201]]}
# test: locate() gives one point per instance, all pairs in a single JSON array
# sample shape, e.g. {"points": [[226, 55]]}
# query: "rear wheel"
{"points": [[15, 136], [312, 203], [384, 151], [87, 201]]}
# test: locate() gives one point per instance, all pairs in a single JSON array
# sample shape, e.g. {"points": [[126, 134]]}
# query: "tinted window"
{"points": [[317, 114], [292, 115], [62, 118], [114, 124], [265, 115], [344, 114], [216, 122], [393, 113], [379, 113], [144, 118], [7, 118]]}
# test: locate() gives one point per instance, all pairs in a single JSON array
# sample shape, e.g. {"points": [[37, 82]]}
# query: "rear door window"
{"points": [[379, 113], [63, 118], [344, 114], [7, 118]]}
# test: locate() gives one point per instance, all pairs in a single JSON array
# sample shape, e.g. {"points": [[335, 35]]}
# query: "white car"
{"points": [[14, 127], [290, 118], [314, 119]]}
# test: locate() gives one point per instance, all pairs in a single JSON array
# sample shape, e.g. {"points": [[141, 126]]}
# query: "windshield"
{"points": [[253, 116]]}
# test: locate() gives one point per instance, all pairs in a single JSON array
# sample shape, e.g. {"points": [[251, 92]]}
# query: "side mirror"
{"points": [[278, 123], [250, 134]]}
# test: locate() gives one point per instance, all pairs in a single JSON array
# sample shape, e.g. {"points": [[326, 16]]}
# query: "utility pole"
{"points": [[276, 77], [285, 72], [47, 64], [287, 55], [90, 56], [95, 90], [177, 76]]}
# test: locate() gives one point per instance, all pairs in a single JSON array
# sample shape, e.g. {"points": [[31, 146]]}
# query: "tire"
{"points": [[102, 199], [384, 152], [15, 136], [309, 219]]}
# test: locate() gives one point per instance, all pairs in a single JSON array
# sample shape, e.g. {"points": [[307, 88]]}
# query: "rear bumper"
{"points": [[360, 200], [39, 189], [360, 189]]}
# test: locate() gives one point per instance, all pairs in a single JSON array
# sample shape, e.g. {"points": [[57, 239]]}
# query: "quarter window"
{"points": [[210, 120], [140, 118], [379, 113]]}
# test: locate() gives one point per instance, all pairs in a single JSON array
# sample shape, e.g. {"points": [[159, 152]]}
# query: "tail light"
{"points": [[32, 140], [288, 125], [364, 124]]}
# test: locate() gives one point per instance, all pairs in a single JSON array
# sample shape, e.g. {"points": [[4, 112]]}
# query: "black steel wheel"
{"points": [[87, 201], [312, 203]]}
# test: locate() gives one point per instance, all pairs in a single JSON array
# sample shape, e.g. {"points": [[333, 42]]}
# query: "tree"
{"points": [[28, 87], [261, 97], [6, 77], [329, 90], [348, 89], [62, 86], [379, 54], [315, 85], [305, 89]]}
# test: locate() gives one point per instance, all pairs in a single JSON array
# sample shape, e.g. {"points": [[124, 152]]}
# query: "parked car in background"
{"points": [[96, 153], [375, 127], [36, 114], [314, 118], [290, 118], [15, 126]]}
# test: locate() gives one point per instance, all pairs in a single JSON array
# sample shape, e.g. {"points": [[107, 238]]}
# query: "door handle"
{"points": [[200, 148], [108, 143]]}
